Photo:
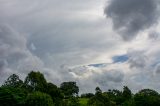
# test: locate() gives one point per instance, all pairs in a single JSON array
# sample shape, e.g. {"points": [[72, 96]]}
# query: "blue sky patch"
{"points": [[98, 65], [120, 58]]}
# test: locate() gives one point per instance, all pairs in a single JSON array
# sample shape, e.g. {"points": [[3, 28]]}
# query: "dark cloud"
{"points": [[14, 54], [3, 64], [12, 43], [132, 16], [153, 35]]}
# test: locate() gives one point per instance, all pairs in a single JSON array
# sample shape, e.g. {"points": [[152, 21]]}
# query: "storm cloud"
{"points": [[130, 17]]}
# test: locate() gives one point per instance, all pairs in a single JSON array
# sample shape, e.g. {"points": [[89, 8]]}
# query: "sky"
{"points": [[105, 43]]}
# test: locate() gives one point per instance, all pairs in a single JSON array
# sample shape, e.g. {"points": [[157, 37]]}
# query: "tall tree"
{"points": [[116, 96], [127, 94], [13, 81], [100, 99], [98, 90], [10, 96], [55, 93], [69, 89], [35, 81], [147, 97]]}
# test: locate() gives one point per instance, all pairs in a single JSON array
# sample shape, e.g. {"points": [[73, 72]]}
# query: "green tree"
{"points": [[98, 90], [72, 101], [127, 94], [39, 99], [69, 89], [10, 96], [116, 96], [13, 81], [100, 99], [35, 81], [147, 97], [87, 95], [55, 93]]}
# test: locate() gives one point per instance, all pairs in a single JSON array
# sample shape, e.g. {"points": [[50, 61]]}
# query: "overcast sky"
{"points": [[105, 43]]}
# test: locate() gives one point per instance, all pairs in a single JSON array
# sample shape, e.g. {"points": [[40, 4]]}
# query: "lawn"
{"points": [[83, 101]]}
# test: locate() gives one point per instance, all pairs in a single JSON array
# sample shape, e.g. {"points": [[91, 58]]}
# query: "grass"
{"points": [[83, 101]]}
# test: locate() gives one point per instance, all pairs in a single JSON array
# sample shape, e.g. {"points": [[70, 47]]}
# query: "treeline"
{"points": [[36, 91]]}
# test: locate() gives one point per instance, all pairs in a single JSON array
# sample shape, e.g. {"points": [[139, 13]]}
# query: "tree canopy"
{"points": [[69, 89], [39, 99], [13, 81], [35, 81], [36, 91]]}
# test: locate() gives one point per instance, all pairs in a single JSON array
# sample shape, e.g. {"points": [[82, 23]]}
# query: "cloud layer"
{"points": [[74, 41], [132, 16]]}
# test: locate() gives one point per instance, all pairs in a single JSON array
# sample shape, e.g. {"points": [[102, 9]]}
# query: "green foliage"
{"points": [[55, 93], [73, 101], [69, 89], [147, 97], [83, 101], [35, 81], [13, 81], [10, 96], [129, 102], [127, 94], [16, 93], [87, 95], [116, 96], [39, 99], [98, 90], [100, 99]]}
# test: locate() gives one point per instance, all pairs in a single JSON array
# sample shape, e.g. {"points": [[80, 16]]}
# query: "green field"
{"points": [[83, 101]]}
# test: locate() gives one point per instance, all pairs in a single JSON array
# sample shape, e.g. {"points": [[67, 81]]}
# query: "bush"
{"points": [[12, 96], [39, 99]]}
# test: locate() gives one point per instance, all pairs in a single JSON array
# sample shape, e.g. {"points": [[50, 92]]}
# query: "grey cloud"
{"points": [[153, 35], [3, 64], [14, 53], [137, 59], [157, 69], [109, 79], [61, 31], [61, 34], [115, 76], [132, 16], [43, 35]]}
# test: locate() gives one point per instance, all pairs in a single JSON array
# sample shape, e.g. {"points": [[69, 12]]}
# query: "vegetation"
{"points": [[69, 89], [38, 99], [36, 91], [83, 101]]}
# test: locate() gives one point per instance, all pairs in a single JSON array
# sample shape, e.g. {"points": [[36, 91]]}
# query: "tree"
{"points": [[127, 94], [39, 99], [115, 96], [13, 81], [87, 95], [69, 89], [147, 97], [98, 90], [55, 93], [100, 99], [10, 96], [35, 81], [73, 101]]}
